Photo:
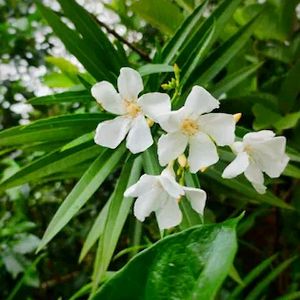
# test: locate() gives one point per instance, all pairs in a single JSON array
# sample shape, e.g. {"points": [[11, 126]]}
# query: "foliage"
{"points": [[243, 52]]}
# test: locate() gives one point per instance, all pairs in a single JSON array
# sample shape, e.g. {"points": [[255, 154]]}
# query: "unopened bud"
{"points": [[237, 117], [150, 122], [182, 161]]}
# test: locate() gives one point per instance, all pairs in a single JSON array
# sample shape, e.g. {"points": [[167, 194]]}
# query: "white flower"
{"points": [[131, 110], [161, 194], [258, 152], [191, 126]]}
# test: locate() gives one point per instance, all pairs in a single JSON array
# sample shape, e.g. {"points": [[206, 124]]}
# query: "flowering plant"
{"points": [[193, 127]]}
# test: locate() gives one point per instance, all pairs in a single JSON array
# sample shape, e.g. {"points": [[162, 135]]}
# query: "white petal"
{"points": [[197, 198], [254, 174], [170, 146], [155, 104], [270, 155], [147, 203], [237, 166], [260, 188], [145, 183], [107, 96], [202, 152], [130, 84], [200, 101], [111, 133], [259, 136], [171, 122], [219, 126], [169, 215], [139, 137], [170, 185], [256, 177]]}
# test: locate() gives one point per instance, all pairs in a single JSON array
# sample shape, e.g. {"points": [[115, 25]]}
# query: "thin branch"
{"points": [[142, 54]]}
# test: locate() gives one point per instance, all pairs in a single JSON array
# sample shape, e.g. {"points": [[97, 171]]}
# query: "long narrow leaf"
{"points": [[83, 190]]}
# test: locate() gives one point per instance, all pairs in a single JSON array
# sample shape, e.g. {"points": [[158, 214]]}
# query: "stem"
{"points": [[141, 53]]}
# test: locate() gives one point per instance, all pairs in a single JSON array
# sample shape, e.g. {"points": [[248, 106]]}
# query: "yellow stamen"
{"points": [[203, 169], [132, 108], [237, 117], [189, 127]]}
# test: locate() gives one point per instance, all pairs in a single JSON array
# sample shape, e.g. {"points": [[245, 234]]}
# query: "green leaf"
{"points": [[154, 68], [288, 121], [264, 117], [162, 14], [65, 97], [60, 128], [75, 44], [264, 283], [182, 34], [232, 80], [93, 36], [103, 166], [219, 58], [252, 276], [96, 230], [117, 214], [58, 80], [242, 187], [189, 265], [52, 163]]}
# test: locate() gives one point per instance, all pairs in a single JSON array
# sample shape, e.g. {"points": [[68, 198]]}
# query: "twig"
{"points": [[142, 54]]}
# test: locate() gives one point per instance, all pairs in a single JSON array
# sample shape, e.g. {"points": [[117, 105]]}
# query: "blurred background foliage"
{"points": [[34, 63]]}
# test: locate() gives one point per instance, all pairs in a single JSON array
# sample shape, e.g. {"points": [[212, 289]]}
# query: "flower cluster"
{"points": [[193, 126]]}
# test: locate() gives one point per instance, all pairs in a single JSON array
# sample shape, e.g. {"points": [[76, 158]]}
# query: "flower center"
{"points": [[132, 108], [189, 127]]}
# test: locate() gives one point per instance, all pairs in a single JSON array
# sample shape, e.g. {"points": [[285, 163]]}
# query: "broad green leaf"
{"points": [[51, 163], [65, 97], [290, 89], [150, 161], [264, 117], [264, 283], [60, 128], [253, 274], [288, 121], [232, 80], [162, 14], [154, 68], [219, 58], [189, 265], [75, 44], [117, 214], [103, 166]]}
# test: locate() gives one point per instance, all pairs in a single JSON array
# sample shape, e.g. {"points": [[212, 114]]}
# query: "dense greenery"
{"points": [[66, 230]]}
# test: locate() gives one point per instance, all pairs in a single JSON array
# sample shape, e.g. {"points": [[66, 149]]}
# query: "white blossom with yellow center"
{"points": [[193, 126], [131, 109], [161, 194], [258, 152]]}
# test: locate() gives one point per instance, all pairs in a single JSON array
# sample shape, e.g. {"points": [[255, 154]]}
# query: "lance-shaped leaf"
{"points": [[91, 180], [61, 128], [65, 97], [118, 211], [75, 44], [189, 265]]}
